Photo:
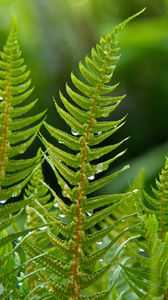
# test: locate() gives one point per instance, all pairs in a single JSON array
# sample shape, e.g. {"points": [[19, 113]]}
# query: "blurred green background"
{"points": [[56, 34]]}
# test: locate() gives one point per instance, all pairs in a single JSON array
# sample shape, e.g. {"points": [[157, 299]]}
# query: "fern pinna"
{"points": [[76, 236], [18, 274], [16, 132], [146, 268], [159, 203]]}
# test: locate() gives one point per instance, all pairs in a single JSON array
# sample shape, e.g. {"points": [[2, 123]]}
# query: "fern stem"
{"points": [[79, 213], [161, 218], [4, 145]]}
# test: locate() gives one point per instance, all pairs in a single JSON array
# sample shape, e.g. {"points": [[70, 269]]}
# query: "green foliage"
{"points": [[74, 243], [158, 204], [17, 131], [150, 260]]}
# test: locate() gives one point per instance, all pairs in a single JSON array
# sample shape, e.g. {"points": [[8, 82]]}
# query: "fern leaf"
{"points": [[76, 172], [7, 209], [16, 132], [65, 138], [94, 186], [150, 278], [157, 204], [96, 202]]}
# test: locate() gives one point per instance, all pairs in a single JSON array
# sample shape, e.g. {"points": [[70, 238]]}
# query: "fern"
{"points": [[10, 261], [149, 255], [16, 132], [78, 245], [76, 173], [16, 282], [147, 272], [158, 203]]}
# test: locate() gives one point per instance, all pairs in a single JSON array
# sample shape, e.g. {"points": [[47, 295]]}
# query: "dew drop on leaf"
{"points": [[99, 168], [62, 216], [42, 285], [91, 177], [2, 201], [89, 213], [43, 228], [141, 251], [100, 132], [20, 284], [1, 98], [74, 133], [99, 243], [14, 194]]}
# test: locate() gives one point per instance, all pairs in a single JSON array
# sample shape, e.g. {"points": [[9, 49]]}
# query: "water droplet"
{"points": [[74, 133], [62, 216], [14, 194], [91, 177], [89, 213], [2, 201], [20, 284], [141, 251], [101, 260], [99, 243], [19, 239], [43, 228], [55, 205], [60, 142], [142, 291], [135, 191], [99, 168], [100, 132], [1, 98]]}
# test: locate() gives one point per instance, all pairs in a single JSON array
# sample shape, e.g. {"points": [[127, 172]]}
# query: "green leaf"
{"points": [[15, 136], [94, 186], [65, 138]]}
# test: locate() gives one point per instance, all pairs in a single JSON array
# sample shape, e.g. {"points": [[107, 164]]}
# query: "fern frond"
{"points": [[76, 172], [158, 204], [148, 275], [17, 132]]}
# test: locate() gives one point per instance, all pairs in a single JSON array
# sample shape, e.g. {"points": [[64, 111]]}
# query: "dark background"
{"points": [[56, 34]]}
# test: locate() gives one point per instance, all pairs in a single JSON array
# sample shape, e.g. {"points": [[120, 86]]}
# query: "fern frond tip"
{"points": [[14, 21], [119, 27], [14, 29]]}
